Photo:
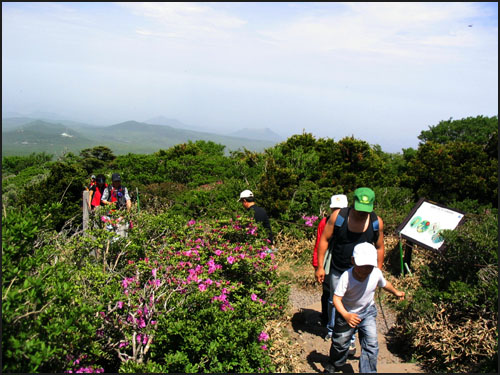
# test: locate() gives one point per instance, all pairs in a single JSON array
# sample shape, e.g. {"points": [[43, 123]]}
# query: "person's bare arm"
{"points": [[323, 245], [390, 288], [90, 198], [351, 318]]}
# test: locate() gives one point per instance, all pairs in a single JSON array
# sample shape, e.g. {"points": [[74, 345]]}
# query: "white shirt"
{"points": [[358, 295]]}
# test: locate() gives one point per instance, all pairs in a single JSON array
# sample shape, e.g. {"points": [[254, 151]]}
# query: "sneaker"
{"points": [[352, 349], [328, 336]]}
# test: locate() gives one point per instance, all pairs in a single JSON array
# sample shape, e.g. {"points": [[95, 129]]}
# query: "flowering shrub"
{"points": [[196, 301], [309, 220]]}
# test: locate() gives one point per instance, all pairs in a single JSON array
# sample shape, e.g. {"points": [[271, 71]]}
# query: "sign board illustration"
{"points": [[426, 221]]}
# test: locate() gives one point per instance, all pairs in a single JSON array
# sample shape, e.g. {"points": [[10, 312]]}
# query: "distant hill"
{"points": [[20, 138], [39, 136], [265, 134], [161, 120]]}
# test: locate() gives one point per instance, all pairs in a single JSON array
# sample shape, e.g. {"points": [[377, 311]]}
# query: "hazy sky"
{"points": [[382, 72]]}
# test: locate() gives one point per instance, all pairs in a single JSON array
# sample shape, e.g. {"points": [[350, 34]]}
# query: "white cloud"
{"points": [[188, 20], [385, 30]]}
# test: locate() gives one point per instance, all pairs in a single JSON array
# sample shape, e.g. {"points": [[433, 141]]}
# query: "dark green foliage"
{"points": [[476, 130], [96, 158], [15, 164], [42, 321], [64, 185], [454, 171], [392, 204]]}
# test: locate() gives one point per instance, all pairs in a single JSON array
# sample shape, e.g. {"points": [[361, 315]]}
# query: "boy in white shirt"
{"points": [[356, 308]]}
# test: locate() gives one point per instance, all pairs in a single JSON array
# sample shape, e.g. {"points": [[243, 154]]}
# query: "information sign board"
{"points": [[426, 221]]}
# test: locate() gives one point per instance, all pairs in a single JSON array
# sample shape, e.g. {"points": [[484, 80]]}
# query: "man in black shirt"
{"points": [[260, 214]]}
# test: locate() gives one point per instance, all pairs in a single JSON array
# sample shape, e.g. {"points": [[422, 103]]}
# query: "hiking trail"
{"points": [[305, 329]]}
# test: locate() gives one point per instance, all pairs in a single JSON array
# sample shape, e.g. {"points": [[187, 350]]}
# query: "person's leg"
{"points": [[339, 349], [334, 280], [367, 330], [324, 301]]}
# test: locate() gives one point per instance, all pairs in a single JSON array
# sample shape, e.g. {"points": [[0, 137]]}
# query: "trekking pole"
{"points": [[401, 254], [382, 309], [138, 206]]}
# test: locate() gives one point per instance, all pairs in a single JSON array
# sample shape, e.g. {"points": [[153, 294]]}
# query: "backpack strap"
{"points": [[341, 216], [375, 225]]}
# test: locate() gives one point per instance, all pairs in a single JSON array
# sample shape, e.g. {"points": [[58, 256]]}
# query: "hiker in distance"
{"points": [[96, 192], [354, 302], [247, 199], [345, 229], [336, 203], [116, 194]]}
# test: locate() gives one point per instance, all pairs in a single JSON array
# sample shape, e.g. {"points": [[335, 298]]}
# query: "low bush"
{"points": [[170, 297], [451, 315]]}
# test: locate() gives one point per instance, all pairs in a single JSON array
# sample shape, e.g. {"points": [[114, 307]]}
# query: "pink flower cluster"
{"points": [[310, 220]]}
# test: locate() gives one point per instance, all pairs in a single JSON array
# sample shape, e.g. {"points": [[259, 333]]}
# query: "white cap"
{"points": [[365, 254], [338, 201], [245, 194]]}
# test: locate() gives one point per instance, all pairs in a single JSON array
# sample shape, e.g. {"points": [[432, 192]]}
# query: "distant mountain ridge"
{"points": [[22, 136], [262, 134]]}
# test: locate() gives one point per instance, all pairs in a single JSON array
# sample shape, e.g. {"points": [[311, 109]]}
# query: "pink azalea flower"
{"points": [[230, 259], [263, 336], [202, 287], [153, 271], [254, 297], [119, 304], [263, 347]]}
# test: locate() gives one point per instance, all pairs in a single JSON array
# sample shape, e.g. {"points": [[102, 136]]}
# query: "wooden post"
{"points": [[85, 210]]}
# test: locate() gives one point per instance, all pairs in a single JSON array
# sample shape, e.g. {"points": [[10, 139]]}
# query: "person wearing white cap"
{"points": [[353, 300], [345, 229], [336, 203], [247, 199]]}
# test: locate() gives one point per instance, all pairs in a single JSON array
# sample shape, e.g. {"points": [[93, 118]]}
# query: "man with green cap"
{"points": [[344, 230]]}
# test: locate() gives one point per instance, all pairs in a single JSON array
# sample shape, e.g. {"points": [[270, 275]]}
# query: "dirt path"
{"points": [[304, 328]]}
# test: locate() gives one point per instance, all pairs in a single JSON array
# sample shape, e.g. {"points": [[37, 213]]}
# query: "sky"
{"points": [[381, 72]]}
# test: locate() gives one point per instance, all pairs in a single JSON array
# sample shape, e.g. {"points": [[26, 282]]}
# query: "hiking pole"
{"points": [[401, 255], [381, 309]]}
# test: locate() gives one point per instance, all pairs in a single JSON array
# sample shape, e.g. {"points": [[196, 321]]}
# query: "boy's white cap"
{"points": [[245, 194], [365, 254], [338, 201]]}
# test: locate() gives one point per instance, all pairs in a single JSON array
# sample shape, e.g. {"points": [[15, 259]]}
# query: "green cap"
{"points": [[363, 199]]}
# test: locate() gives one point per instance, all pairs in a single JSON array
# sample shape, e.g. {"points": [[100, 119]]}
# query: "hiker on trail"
{"points": [[96, 191], [346, 228], [353, 300], [92, 182], [247, 199], [336, 203], [116, 194]]}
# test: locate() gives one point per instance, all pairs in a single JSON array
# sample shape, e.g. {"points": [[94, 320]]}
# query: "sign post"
{"points": [[85, 207], [424, 225]]}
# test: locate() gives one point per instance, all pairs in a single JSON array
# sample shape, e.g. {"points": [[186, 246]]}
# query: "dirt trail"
{"points": [[305, 329]]}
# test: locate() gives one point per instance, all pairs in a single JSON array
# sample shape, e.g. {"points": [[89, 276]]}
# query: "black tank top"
{"points": [[343, 241]]}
